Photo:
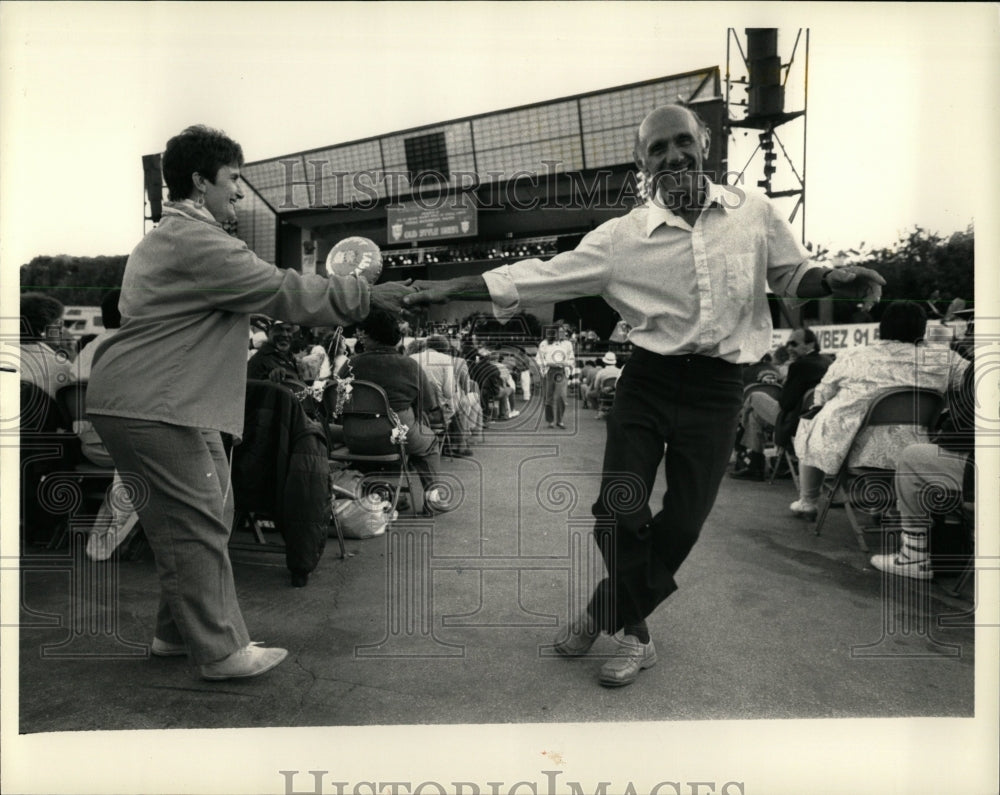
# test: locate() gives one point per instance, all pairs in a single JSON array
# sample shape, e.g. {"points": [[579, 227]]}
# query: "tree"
{"points": [[74, 281], [918, 265]]}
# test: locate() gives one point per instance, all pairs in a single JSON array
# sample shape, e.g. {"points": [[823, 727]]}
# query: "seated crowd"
{"points": [[841, 392], [446, 395]]}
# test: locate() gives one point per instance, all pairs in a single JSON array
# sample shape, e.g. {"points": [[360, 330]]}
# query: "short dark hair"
{"points": [[903, 321], [38, 312], [808, 335], [110, 315], [381, 327], [197, 149]]}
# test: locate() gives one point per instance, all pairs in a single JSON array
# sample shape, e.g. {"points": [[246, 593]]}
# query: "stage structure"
{"points": [[772, 105], [464, 195], [759, 71]]}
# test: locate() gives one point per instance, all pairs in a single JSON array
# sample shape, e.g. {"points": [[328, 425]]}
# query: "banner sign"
{"points": [[455, 217], [833, 338], [854, 335]]}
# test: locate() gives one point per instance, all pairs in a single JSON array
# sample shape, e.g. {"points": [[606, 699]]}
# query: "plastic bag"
{"points": [[349, 479], [364, 518]]}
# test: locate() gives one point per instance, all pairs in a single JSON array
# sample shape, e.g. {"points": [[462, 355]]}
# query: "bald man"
{"points": [[689, 272]]}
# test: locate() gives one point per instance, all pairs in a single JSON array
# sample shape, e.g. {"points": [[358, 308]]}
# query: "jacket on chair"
{"points": [[281, 469]]}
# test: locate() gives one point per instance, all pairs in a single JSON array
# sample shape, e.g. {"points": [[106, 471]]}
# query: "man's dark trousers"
{"points": [[691, 404]]}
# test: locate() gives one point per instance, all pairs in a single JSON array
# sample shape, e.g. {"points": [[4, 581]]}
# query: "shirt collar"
{"points": [[657, 214], [190, 209]]}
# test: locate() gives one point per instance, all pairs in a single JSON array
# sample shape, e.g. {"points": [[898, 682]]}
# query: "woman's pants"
{"points": [[186, 509]]}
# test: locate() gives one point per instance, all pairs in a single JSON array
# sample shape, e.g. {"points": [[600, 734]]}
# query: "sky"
{"points": [[901, 104]]}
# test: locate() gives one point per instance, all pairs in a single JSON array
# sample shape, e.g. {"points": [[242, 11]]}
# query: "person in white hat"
{"points": [[609, 370]]}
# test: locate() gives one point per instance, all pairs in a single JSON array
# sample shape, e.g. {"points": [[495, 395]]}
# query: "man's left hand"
{"points": [[856, 283]]}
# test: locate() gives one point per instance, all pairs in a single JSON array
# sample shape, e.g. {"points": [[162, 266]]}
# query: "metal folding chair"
{"points": [[369, 424], [606, 397], [769, 388], [788, 453], [92, 479], [869, 490]]}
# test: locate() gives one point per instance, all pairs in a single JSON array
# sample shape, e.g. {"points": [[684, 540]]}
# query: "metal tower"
{"points": [[760, 72]]}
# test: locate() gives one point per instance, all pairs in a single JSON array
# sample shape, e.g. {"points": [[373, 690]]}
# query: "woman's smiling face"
{"points": [[222, 194]]}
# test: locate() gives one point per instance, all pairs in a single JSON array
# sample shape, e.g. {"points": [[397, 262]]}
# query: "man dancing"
{"points": [[689, 273]]}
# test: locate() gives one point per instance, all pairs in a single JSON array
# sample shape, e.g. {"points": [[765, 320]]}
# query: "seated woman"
{"points": [[899, 358], [411, 395]]}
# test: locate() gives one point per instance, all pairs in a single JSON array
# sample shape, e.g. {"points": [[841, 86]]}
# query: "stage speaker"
{"points": [[153, 180], [767, 95]]}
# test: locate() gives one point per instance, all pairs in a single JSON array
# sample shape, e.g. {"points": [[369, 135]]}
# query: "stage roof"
{"points": [[576, 133]]}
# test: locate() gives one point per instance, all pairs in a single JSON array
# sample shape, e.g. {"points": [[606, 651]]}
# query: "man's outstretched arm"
{"points": [[461, 288]]}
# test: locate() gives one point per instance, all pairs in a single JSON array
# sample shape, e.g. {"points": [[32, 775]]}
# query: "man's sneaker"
{"points": [[750, 467], [576, 638], [897, 563], [164, 648], [632, 656], [804, 509], [513, 413], [748, 473], [251, 660]]}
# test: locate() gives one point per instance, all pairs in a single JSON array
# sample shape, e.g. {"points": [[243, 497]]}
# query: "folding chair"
{"points": [[369, 423], [606, 397], [44, 451], [788, 453], [768, 388], [92, 479], [871, 490]]}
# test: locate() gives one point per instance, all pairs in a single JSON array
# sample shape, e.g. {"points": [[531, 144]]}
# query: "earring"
{"points": [[200, 201]]}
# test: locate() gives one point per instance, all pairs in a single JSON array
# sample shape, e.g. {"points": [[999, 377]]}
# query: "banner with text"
{"points": [[853, 335], [833, 338], [455, 217]]}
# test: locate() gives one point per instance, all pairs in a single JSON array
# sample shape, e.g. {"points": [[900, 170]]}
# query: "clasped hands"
{"points": [[408, 297], [389, 296]]}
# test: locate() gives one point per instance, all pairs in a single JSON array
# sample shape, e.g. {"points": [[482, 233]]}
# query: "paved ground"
{"points": [[449, 621]]}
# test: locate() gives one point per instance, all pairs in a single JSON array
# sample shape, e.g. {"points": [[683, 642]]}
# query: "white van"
{"points": [[82, 320]]}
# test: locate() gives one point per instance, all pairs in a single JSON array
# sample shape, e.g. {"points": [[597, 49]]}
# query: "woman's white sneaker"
{"points": [[804, 509], [251, 660]]}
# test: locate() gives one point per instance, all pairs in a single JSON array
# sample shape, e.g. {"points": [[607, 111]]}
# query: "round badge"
{"points": [[355, 256]]}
